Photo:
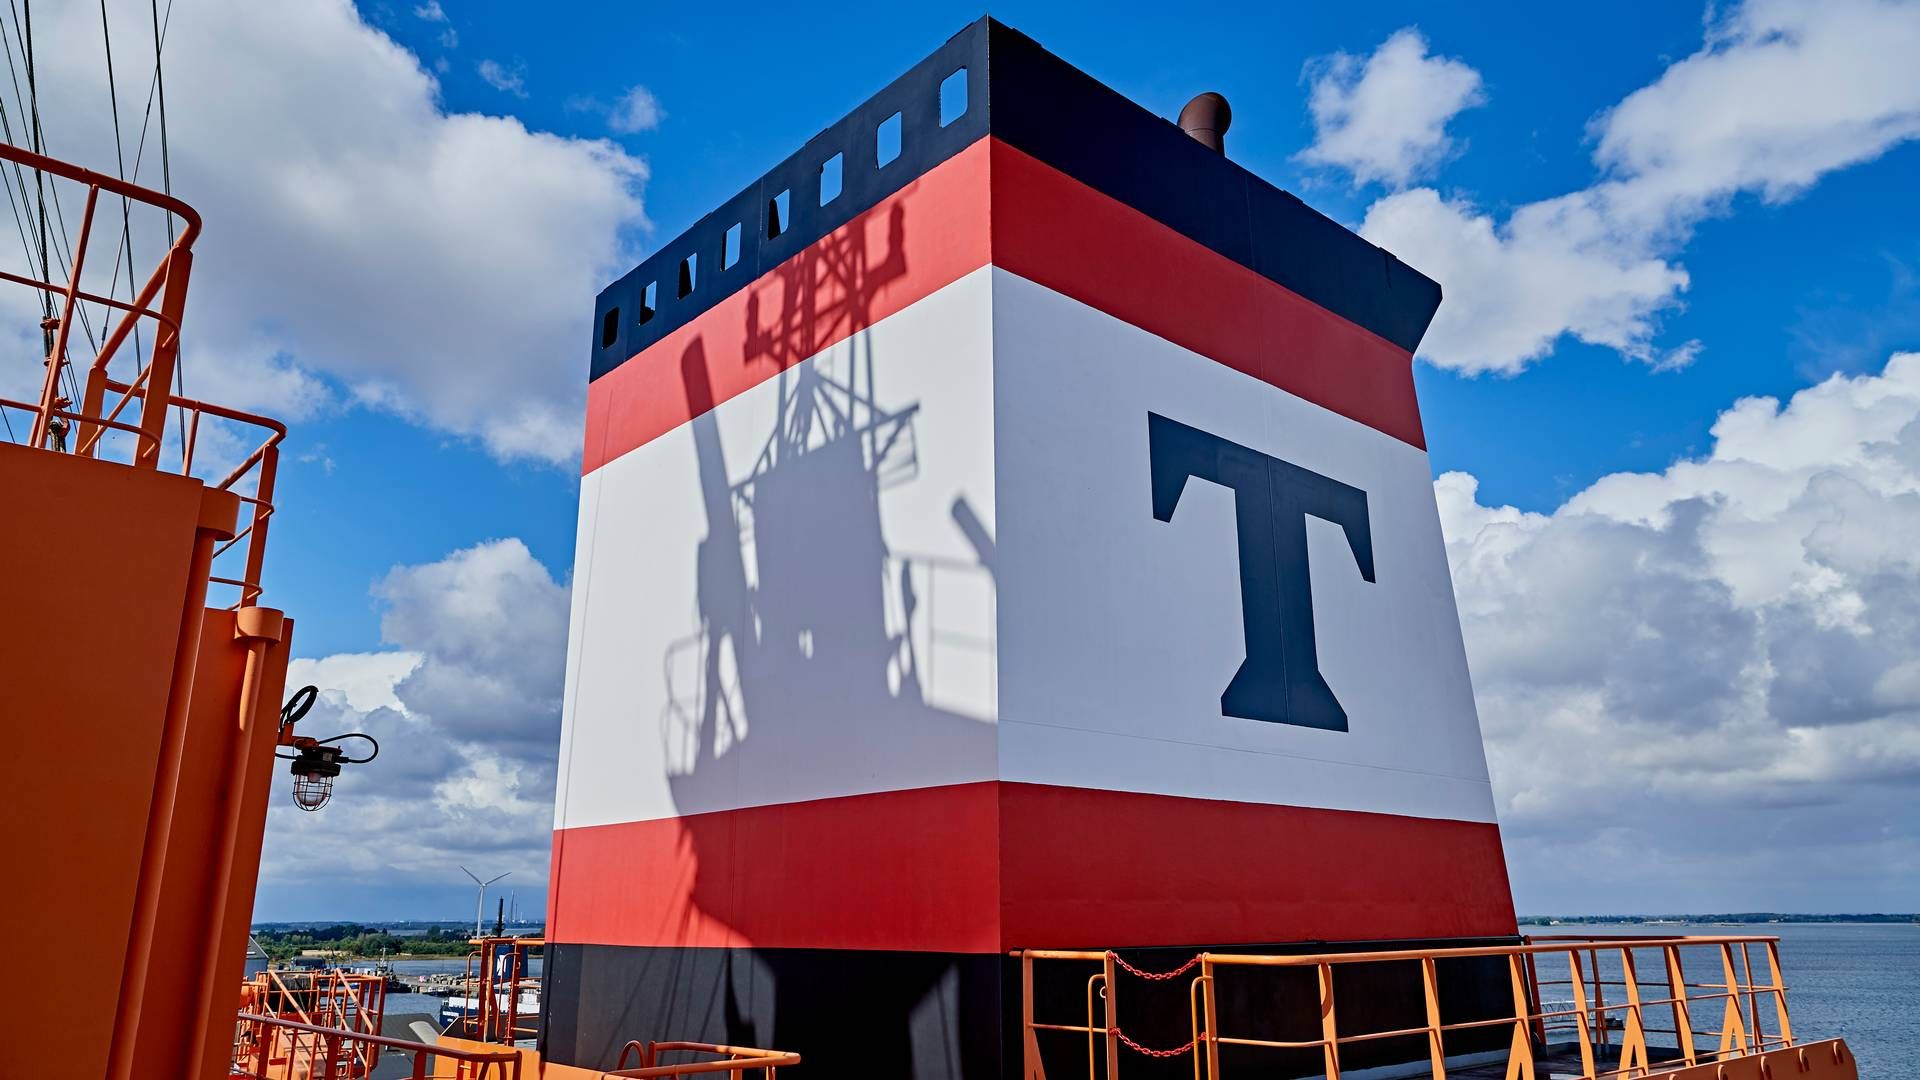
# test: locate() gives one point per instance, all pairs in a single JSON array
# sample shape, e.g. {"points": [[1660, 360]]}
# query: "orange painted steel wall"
{"points": [[186, 953], [98, 559]]}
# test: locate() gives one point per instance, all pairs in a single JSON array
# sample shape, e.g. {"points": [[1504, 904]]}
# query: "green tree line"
{"points": [[361, 941]]}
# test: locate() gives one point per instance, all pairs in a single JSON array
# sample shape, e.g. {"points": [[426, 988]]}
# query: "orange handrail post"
{"points": [[262, 511], [1213, 1017], [1753, 998], [1533, 1000], [1682, 1018], [1633, 1041], [1329, 1028], [1430, 990], [1520, 1056], [166, 353], [1599, 1000], [1733, 1028], [1779, 989], [1030, 1045], [57, 355], [1582, 1021], [1107, 990], [96, 389]]}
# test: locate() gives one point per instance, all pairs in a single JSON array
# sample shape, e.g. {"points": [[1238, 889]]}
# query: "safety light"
{"points": [[315, 762], [313, 772]]}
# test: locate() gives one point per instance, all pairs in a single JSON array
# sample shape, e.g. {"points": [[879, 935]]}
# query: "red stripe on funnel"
{"points": [[897, 870], [1057, 232], [990, 866]]}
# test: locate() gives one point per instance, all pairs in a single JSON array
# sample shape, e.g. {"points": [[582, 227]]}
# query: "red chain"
{"points": [[1155, 976], [1137, 1048]]}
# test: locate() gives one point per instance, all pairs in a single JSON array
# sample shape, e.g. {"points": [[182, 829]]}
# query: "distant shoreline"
{"points": [[362, 942], [1745, 917], [369, 958]]}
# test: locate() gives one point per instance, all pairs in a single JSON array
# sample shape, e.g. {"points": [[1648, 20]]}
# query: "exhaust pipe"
{"points": [[1206, 119]]}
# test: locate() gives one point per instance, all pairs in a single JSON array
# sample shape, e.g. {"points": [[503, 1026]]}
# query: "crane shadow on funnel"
{"points": [[823, 660]]}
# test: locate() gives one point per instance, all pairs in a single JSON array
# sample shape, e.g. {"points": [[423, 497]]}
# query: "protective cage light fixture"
{"points": [[314, 770], [315, 763]]}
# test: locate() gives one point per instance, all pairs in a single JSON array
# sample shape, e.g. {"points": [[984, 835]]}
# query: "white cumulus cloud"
{"points": [[1513, 289], [1384, 118], [1778, 95], [511, 80], [1725, 648], [1782, 93], [466, 706], [364, 246], [637, 110]]}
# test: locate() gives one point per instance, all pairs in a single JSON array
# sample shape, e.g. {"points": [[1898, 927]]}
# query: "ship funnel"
{"points": [[998, 523], [1206, 118]]}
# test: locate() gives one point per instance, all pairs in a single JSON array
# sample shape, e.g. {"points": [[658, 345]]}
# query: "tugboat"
{"points": [[1008, 583]]}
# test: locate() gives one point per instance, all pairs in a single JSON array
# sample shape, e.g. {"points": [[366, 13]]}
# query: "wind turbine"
{"points": [[480, 901]]}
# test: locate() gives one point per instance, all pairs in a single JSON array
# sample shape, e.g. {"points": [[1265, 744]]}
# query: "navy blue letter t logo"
{"points": [[1280, 681]]}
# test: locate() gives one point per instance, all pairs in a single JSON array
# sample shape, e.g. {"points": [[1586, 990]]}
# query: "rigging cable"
{"points": [[50, 249], [139, 158], [126, 211], [18, 175], [160, 81], [63, 250], [47, 327], [39, 177], [166, 185], [31, 104], [19, 225], [126, 204], [19, 99], [146, 123]]}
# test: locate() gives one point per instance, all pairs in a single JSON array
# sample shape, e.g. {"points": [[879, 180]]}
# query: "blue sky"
{"points": [[1687, 611]]}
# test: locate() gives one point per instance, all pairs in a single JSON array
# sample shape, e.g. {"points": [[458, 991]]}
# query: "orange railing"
{"points": [[1601, 1039], [335, 1001], [328, 997], [724, 1059], [56, 422], [499, 974], [276, 1048]]}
